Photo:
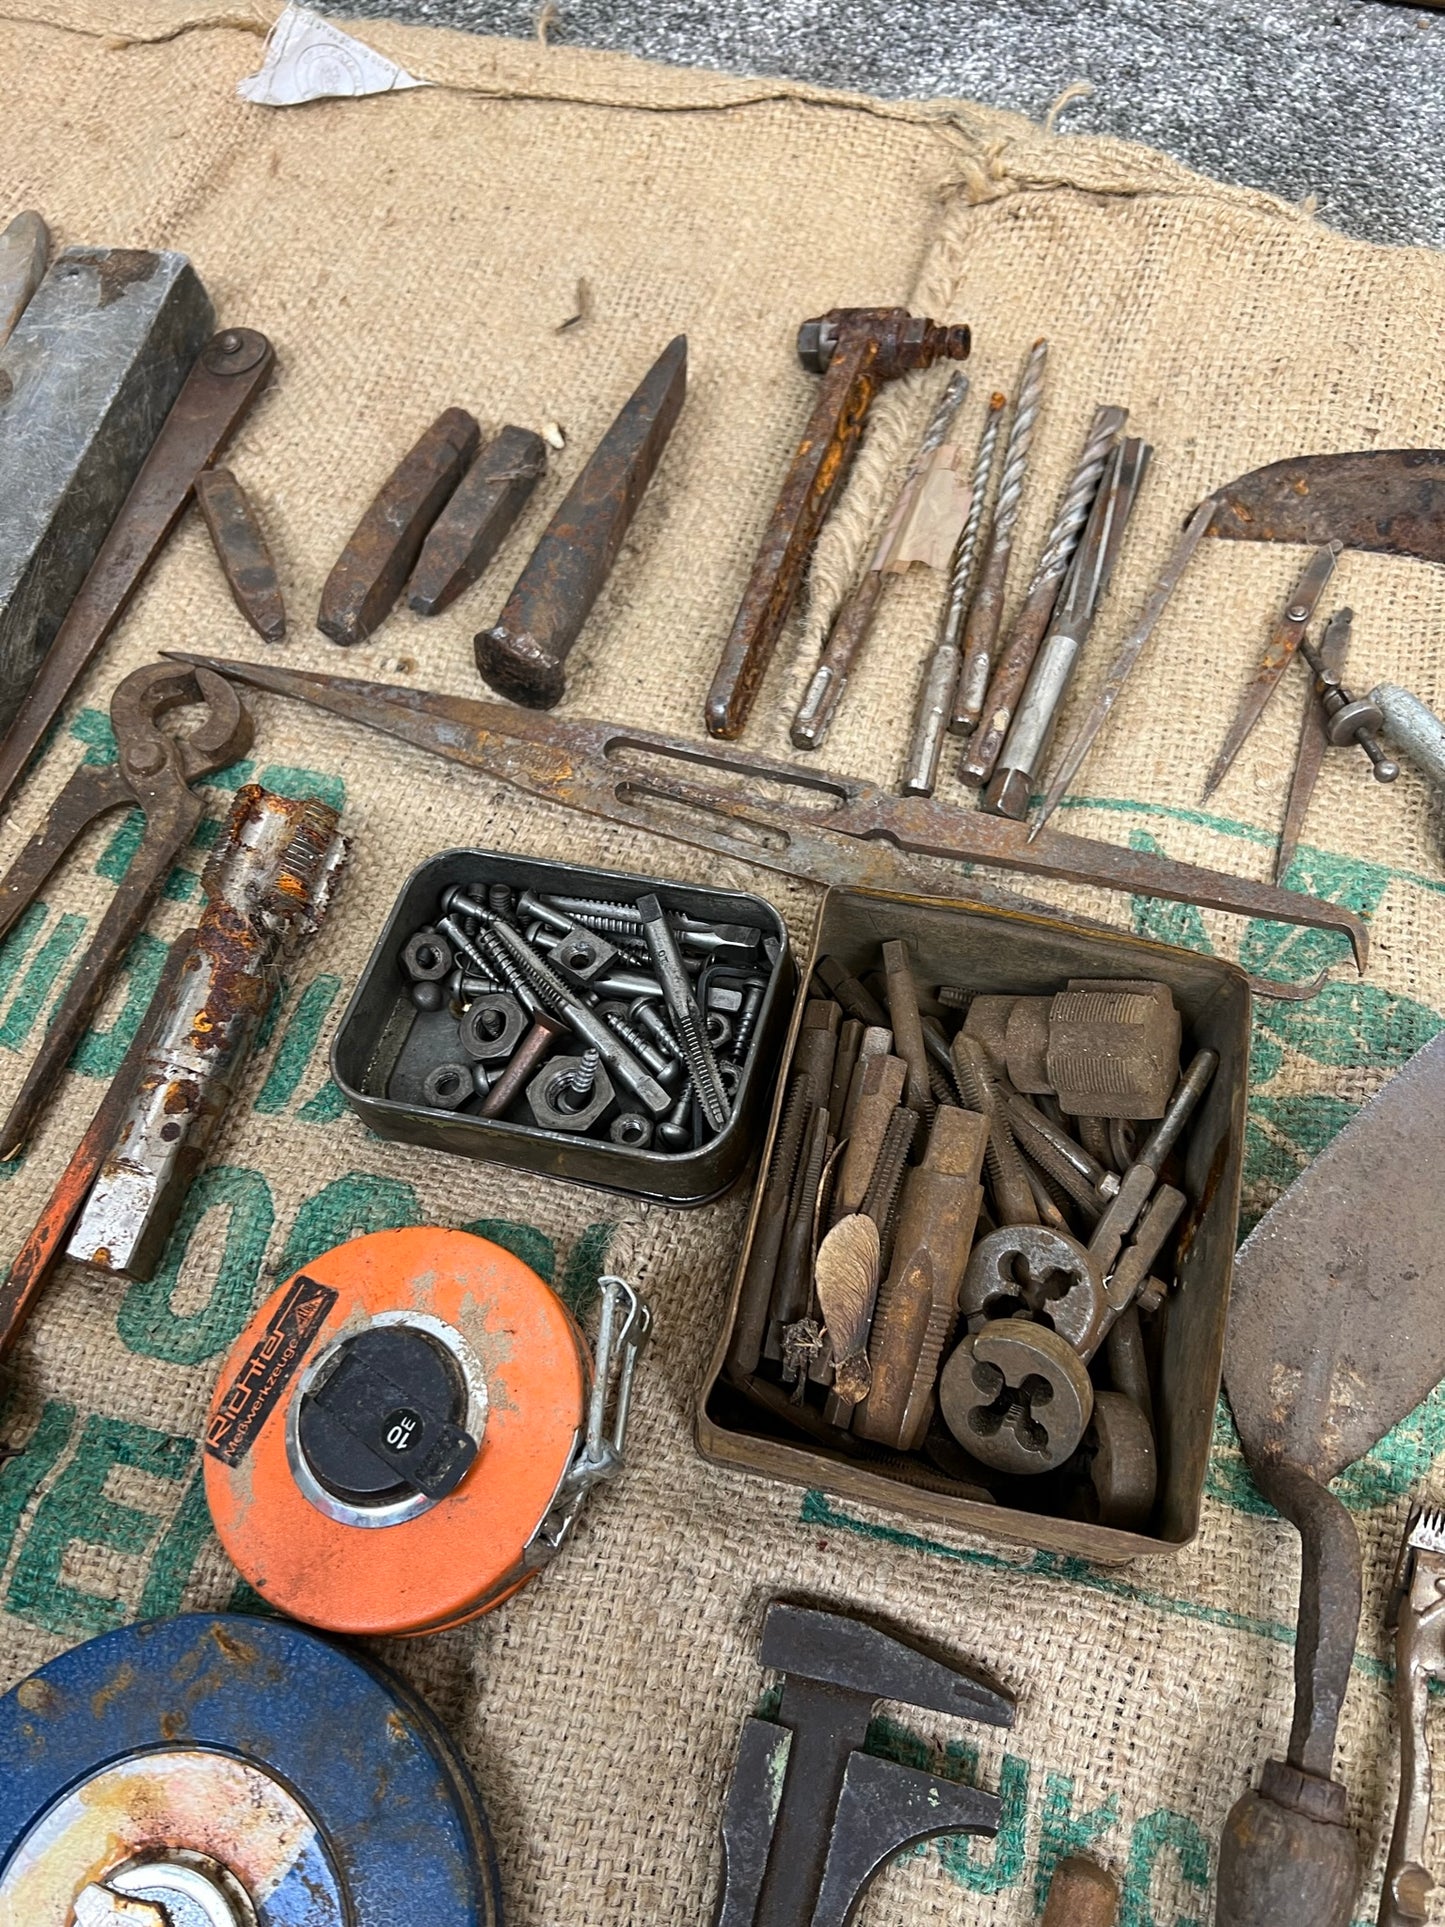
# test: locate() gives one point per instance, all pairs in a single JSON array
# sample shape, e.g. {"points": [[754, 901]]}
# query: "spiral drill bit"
{"points": [[854, 619], [1017, 658], [986, 610], [940, 675]]}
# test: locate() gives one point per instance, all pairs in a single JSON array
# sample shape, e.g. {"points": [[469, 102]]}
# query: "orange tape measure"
{"points": [[405, 1432]]}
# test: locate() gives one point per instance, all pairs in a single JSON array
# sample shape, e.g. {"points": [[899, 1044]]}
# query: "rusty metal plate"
{"points": [[1337, 1326], [1388, 499]]}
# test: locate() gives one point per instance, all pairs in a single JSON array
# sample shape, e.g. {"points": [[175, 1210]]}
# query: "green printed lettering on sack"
{"points": [[1063, 1832], [989, 1866], [76, 1511], [26, 1470], [304, 785], [175, 1557], [92, 728], [298, 1042], [99, 1052], [524, 1241], [1153, 1835], [40, 979], [148, 1321], [348, 1207], [327, 1105], [585, 1264]]}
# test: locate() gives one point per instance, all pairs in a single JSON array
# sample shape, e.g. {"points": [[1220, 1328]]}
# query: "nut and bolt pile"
{"points": [[616, 1019], [967, 1201]]}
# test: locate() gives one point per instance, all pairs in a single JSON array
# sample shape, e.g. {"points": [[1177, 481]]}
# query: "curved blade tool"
{"points": [[823, 827], [1391, 500]]}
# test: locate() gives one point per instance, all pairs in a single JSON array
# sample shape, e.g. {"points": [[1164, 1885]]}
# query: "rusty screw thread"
{"points": [[747, 1021], [880, 1200], [644, 1011], [978, 1087]]}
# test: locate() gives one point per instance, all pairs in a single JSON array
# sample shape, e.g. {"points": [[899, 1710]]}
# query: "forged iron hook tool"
{"points": [[154, 772], [827, 828]]}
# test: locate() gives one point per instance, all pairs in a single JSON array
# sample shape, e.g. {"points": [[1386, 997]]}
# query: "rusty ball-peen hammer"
{"points": [[855, 350]]}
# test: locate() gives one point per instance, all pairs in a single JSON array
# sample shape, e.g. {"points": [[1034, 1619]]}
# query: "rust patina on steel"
{"points": [[1336, 1332], [524, 654], [476, 521], [268, 886], [242, 552], [233, 368], [371, 571], [1388, 499], [154, 772], [855, 350], [36, 1257], [807, 823]]}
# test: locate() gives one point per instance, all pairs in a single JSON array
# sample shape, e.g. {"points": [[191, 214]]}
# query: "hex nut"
{"points": [[547, 1097], [632, 1130], [427, 957], [581, 954], [447, 1087], [492, 1027]]}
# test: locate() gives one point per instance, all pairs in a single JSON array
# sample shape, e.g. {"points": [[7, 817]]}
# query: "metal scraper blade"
{"points": [[1389, 499], [1337, 1319]]}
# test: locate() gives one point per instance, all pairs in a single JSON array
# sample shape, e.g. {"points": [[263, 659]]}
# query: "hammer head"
{"points": [[853, 1657], [902, 341]]}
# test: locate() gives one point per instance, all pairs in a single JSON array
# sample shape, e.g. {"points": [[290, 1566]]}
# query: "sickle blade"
{"points": [[1391, 500]]}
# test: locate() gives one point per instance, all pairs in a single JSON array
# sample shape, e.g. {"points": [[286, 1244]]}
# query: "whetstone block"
{"points": [[95, 361]]}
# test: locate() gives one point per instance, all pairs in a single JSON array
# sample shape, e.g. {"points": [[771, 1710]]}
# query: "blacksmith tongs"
{"points": [[154, 773]]}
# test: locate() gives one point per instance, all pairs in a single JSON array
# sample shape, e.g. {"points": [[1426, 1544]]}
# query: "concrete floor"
{"points": [[1343, 101]]}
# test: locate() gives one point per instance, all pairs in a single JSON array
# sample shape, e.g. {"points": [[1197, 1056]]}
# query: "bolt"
{"points": [[748, 1018], [675, 1131]]}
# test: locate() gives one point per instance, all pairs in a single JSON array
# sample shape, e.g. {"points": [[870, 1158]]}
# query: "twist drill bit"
{"points": [[687, 1020], [1017, 657], [981, 629], [854, 619], [940, 676], [978, 1086]]}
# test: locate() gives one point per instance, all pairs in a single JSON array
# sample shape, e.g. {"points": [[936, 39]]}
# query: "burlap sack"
{"points": [[419, 250]]}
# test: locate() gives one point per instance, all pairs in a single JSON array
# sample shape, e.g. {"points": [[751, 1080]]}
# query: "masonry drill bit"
{"points": [[940, 675], [851, 626], [981, 628], [1011, 673]]}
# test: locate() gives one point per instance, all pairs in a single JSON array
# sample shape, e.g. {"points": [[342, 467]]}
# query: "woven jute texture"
{"points": [[410, 252]]}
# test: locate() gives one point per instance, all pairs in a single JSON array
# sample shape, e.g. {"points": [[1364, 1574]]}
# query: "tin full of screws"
{"points": [[617, 1030]]}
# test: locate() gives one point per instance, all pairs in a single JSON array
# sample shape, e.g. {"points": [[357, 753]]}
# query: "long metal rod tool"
{"points": [[1313, 742], [1130, 650], [233, 368], [980, 631], [853, 622], [940, 675], [1011, 671], [831, 829]]}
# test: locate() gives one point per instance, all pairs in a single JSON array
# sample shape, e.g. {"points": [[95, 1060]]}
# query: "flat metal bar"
{"points": [[831, 829]]}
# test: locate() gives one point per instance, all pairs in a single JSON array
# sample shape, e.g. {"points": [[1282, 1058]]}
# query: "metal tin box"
{"points": [[381, 1017], [1017, 952]]}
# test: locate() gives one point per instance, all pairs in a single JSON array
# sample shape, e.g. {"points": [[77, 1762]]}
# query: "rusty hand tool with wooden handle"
{"points": [[1335, 1334]]}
